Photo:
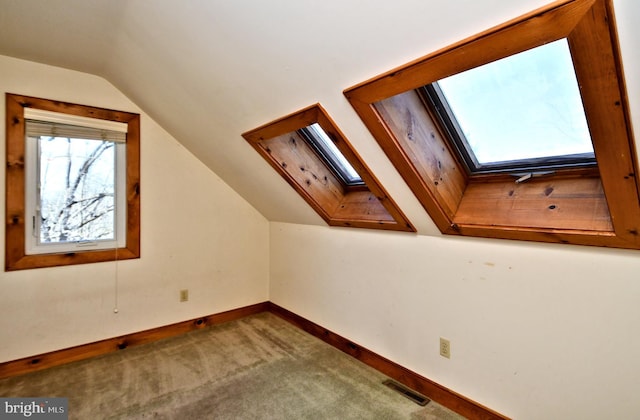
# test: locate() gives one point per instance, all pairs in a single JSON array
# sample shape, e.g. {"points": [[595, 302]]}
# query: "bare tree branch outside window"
{"points": [[76, 192]]}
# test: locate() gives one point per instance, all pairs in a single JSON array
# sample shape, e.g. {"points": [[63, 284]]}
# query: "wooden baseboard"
{"points": [[427, 387], [85, 351]]}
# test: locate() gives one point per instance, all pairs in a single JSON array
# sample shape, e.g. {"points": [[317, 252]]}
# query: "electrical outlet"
{"points": [[445, 348], [184, 295]]}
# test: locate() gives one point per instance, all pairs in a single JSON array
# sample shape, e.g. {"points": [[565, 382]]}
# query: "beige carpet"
{"points": [[259, 367]]}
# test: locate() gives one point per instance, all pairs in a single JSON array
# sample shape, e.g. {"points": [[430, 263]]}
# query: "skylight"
{"points": [[523, 111], [577, 201], [310, 152], [327, 150]]}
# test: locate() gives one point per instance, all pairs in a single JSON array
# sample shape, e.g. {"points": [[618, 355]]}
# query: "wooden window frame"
{"points": [[585, 207], [362, 206], [15, 256]]}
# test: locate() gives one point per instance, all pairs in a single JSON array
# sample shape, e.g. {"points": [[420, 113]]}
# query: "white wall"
{"points": [[197, 234], [537, 331]]}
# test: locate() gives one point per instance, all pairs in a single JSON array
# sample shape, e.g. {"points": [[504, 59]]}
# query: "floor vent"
{"points": [[409, 393]]}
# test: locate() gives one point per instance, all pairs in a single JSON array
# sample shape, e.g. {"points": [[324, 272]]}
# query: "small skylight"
{"points": [[311, 153], [521, 112], [327, 150]]}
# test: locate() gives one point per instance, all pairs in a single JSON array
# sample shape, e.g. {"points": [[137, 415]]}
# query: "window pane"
{"points": [[331, 153], [76, 192], [521, 107]]}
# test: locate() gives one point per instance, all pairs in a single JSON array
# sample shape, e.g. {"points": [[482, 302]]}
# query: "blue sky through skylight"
{"points": [[524, 106]]}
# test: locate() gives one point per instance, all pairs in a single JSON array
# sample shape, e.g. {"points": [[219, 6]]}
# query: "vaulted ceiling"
{"points": [[208, 70]]}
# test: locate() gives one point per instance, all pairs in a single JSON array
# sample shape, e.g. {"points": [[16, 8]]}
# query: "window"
{"points": [[462, 156], [74, 197], [75, 183], [519, 113], [314, 157], [330, 155]]}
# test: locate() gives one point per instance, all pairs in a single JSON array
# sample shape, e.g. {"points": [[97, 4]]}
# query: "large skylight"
{"points": [[521, 108]]}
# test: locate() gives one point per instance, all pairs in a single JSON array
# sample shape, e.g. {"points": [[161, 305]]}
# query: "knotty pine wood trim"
{"points": [[604, 95], [98, 348], [280, 145], [546, 24], [15, 218], [600, 209], [442, 395]]}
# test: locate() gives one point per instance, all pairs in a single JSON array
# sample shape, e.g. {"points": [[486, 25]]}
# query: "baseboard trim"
{"points": [[444, 396], [427, 387], [98, 348]]}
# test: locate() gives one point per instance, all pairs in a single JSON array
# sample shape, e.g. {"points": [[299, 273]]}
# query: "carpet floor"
{"points": [[258, 367]]}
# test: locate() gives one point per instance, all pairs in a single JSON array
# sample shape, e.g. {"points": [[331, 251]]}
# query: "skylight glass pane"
{"points": [[522, 107], [333, 155]]}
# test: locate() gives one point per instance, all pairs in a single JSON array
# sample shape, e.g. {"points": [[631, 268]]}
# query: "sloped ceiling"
{"points": [[208, 70]]}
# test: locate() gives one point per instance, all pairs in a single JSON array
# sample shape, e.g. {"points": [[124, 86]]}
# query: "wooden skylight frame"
{"points": [[587, 207], [364, 206]]}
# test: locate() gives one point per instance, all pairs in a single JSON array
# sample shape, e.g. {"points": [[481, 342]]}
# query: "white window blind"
{"points": [[54, 124]]}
